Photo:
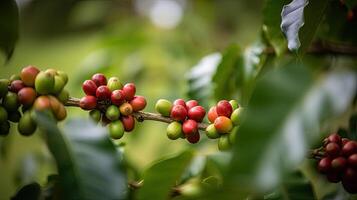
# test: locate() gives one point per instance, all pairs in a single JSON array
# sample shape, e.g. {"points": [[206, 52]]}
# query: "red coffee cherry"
{"points": [[99, 79], [189, 127], [117, 97], [88, 103], [16, 86], [333, 177], [334, 138], [224, 108], [193, 138], [129, 90], [128, 123], [191, 103], [89, 87], [349, 148], [212, 114], [28, 75], [352, 160], [138, 103], [350, 175], [332, 149], [180, 102], [339, 164], [197, 113], [178, 113], [103, 93], [27, 96], [223, 124], [324, 165]]}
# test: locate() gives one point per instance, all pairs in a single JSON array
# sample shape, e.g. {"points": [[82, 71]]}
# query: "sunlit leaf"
{"points": [[9, 26]]}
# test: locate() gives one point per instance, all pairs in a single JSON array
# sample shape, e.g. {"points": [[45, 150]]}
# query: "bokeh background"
{"points": [[152, 43]]}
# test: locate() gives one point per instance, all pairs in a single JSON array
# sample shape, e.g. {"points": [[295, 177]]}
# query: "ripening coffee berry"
{"points": [[163, 107], [212, 114], [349, 148], [103, 93], [193, 138], [117, 97], [116, 129], [138, 103], [129, 90], [189, 126], [174, 130], [126, 109], [27, 96], [44, 83], [334, 138], [4, 128], [352, 160], [63, 75], [28, 75], [339, 164], [114, 84], [223, 124], [234, 104], [27, 126], [16, 86], [61, 114], [42, 103], [180, 102], [223, 143], [332, 149], [3, 87], [10, 102], [14, 116], [211, 132], [58, 85], [128, 123], [99, 79], [88, 103], [3, 115], [178, 113], [112, 113], [55, 104], [196, 113], [63, 96], [236, 116], [190, 104], [95, 115], [324, 165], [224, 108]]}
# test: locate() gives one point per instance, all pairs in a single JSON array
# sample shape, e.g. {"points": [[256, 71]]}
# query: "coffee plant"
{"points": [[280, 113]]}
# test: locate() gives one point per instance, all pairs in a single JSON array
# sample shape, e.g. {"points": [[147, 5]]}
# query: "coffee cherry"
{"points": [[349, 148], [58, 85], [128, 123], [4, 128], [211, 132], [190, 104], [16, 86], [117, 97], [324, 165], [193, 138], [333, 177], [163, 107], [14, 116], [180, 102], [27, 96], [42, 103], [103, 93], [350, 187], [129, 90], [334, 138], [178, 113], [223, 124], [339, 164], [55, 104], [174, 130], [28, 75], [3, 115], [197, 113], [352, 160], [116, 129], [3, 87], [99, 79], [332, 149], [232, 135], [236, 116], [189, 126], [44, 83], [63, 96], [344, 141], [53, 72], [95, 115], [114, 84], [349, 175], [88, 103], [223, 143], [10, 102], [224, 108], [234, 104], [63, 75], [14, 77], [126, 109], [112, 113], [212, 114], [138, 103], [61, 114], [27, 126], [89, 87]]}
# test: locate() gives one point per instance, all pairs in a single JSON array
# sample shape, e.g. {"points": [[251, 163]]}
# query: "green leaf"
{"points": [[9, 26], [162, 176], [283, 118], [87, 161]]}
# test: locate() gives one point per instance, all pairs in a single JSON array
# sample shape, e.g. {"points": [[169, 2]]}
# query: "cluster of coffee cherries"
{"points": [[186, 116], [112, 103], [339, 162], [31, 90], [225, 118]]}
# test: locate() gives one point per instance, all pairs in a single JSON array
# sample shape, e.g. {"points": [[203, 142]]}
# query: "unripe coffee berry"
{"points": [[223, 143], [99, 79], [88, 103], [89, 87], [163, 107], [349, 148], [26, 126], [190, 104], [178, 113], [58, 85], [236, 116], [234, 104], [112, 113], [63, 75], [211, 132], [223, 124], [129, 90], [193, 138], [138, 103], [44, 83], [27, 96], [114, 84], [28, 75], [174, 130], [224, 108], [3, 115], [116, 129], [324, 165], [189, 126], [232, 135], [332, 149], [126, 109], [10, 102], [95, 115], [180, 102], [16, 86], [14, 116], [103, 93], [14, 77], [212, 114], [63, 96], [51, 71], [4, 128], [196, 113], [42, 103], [3, 87], [128, 123]]}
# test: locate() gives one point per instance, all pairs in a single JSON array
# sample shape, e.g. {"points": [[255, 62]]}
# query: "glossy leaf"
{"points": [[87, 161], [162, 176], [9, 26]]}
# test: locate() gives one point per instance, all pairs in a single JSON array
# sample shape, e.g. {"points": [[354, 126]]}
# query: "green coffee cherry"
{"points": [[4, 128], [114, 84], [63, 96], [163, 107], [63, 75], [234, 104], [14, 116], [174, 130], [116, 129], [14, 77], [44, 83], [27, 126], [3, 87], [11, 102], [58, 85], [95, 115], [236, 116], [211, 132], [232, 135], [223, 143], [112, 113], [3, 115]]}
